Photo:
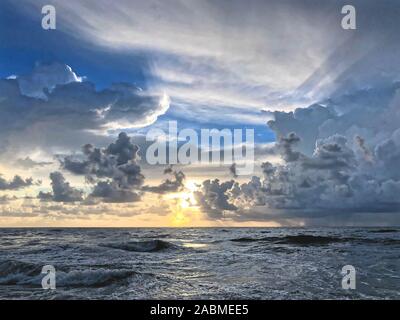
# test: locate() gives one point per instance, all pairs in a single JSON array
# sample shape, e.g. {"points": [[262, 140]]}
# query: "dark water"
{"points": [[245, 263]]}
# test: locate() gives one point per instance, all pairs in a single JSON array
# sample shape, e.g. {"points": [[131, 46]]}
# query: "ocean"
{"points": [[200, 263]]}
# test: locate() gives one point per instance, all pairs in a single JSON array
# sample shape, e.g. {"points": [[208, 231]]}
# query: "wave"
{"points": [[93, 278], [154, 236], [7, 243], [140, 246], [295, 240], [309, 240], [10, 267], [246, 239], [23, 273], [13, 272], [383, 231]]}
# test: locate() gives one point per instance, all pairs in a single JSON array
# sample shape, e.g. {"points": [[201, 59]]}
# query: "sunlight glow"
{"points": [[184, 201]]}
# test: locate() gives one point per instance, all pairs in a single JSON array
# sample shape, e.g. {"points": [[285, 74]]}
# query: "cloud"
{"points": [[339, 156], [304, 120], [62, 191], [214, 197], [371, 113], [364, 148], [103, 162], [111, 192], [53, 98], [338, 161], [331, 180], [217, 64], [273, 57], [286, 145], [16, 183], [44, 78], [113, 170], [28, 163], [6, 199], [169, 185]]}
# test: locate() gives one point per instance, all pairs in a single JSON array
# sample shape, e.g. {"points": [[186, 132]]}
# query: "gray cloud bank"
{"points": [[339, 159]]}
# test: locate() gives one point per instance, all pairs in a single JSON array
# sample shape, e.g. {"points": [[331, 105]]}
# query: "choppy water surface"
{"points": [[215, 263]]}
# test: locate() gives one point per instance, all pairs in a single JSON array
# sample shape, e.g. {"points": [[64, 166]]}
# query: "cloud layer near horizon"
{"points": [[339, 159]]}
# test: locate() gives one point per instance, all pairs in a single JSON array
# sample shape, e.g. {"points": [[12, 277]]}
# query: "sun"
{"points": [[179, 218], [185, 198], [183, 203]]}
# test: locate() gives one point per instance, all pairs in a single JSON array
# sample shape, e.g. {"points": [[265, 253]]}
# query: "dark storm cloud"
{"points": [[62, 191]]}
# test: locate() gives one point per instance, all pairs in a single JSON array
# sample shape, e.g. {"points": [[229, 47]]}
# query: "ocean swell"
{"points": [[294, 240], [140, 246], [311, 240]]}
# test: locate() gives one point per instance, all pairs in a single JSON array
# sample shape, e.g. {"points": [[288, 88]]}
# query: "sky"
{"points": [[77, 105]]}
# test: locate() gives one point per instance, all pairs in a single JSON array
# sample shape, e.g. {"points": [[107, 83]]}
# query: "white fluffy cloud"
{"points": [[45, 78]]}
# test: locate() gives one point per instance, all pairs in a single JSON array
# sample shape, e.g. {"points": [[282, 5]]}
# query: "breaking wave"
{"points": [[93, 278], [23, 273]]}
